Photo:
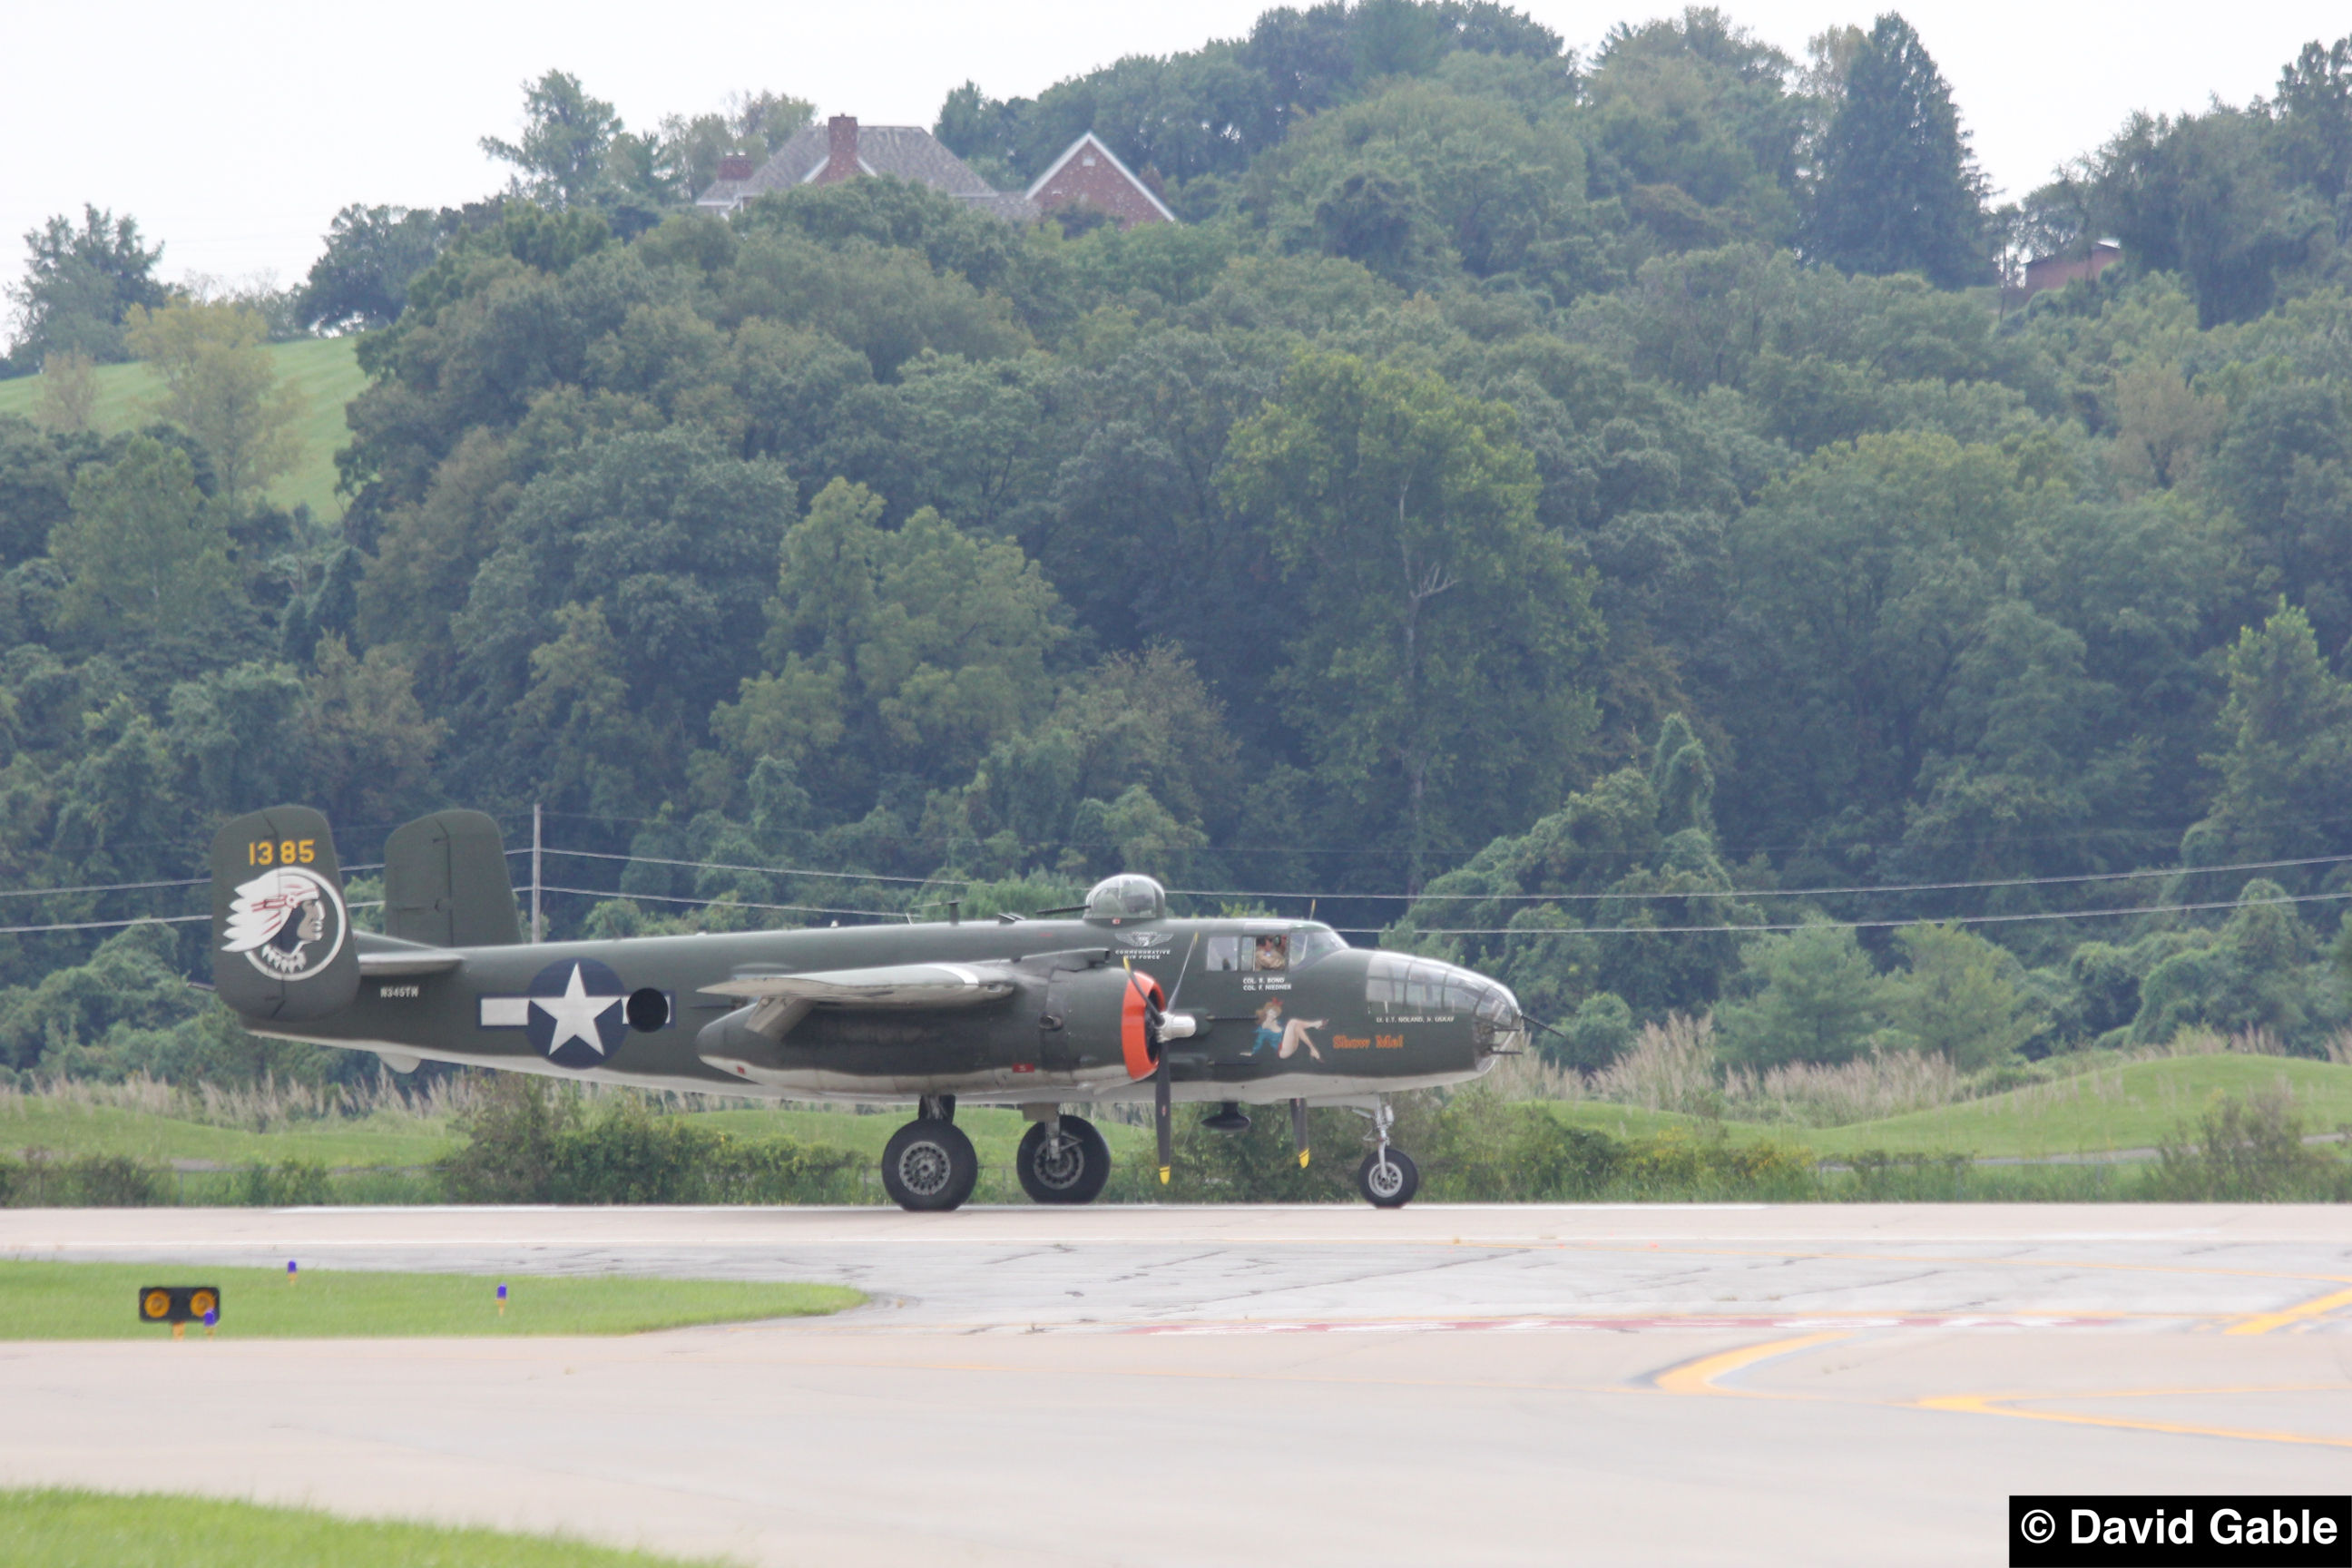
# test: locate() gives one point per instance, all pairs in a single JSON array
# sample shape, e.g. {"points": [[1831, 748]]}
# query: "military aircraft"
{"points": [[1108, 1002]]}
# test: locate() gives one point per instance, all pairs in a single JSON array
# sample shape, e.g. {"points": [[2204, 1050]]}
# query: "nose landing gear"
{"points": [[1387, 1178]]}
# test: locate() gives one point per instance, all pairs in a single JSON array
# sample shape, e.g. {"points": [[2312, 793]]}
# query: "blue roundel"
{"points": [[576, 1017]]}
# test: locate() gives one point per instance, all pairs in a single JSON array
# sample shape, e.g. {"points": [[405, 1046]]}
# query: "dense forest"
{"points": [[1613, 520]]}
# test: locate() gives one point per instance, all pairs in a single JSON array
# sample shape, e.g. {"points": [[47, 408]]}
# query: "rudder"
{"points": [[282, 944], [446, 883]]}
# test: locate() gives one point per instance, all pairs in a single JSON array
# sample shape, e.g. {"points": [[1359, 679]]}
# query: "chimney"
{"points": [[842, 161], [735, 166]]}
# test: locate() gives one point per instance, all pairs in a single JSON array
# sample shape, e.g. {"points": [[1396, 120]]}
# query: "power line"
{"points": [[1782, 893], [1847, 925], [100, 888], [727, 903], [101, 925], [2074, 878], [765, 871]]}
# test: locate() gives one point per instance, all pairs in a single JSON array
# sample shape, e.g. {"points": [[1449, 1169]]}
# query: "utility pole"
{"points": [[537, 843]]}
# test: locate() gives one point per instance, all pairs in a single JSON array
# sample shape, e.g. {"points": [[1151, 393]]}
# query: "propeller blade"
{"points": [[1163, 1113]]}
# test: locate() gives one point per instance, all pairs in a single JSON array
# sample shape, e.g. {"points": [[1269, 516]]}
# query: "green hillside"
{"points": [[324, 370], [2129, 1106]]}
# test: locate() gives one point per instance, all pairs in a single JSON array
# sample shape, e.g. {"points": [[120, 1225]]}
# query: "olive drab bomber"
{"points": [[1113, 1000]]}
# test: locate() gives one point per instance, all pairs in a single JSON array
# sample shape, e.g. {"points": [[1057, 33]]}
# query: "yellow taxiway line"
{"points": [[1698, 1376], [2006, 1404], [2319, 1306]]}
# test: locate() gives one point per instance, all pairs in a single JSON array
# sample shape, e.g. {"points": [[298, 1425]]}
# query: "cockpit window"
{"points": [[1424, 985], [1313, 944], [1126, 898]]}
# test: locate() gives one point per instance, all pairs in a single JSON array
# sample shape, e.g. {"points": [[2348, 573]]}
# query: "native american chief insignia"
{"points": [[288, 923]]}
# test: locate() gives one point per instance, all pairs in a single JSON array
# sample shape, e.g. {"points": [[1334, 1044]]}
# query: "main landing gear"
{"points": [[1063, 1160], [929, 1163]]}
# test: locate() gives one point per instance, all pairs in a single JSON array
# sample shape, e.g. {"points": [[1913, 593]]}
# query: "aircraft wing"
{"points": [[893, 985]]}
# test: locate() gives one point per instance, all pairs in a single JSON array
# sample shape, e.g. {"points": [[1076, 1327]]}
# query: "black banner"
{"points": [[2059, 1531]]}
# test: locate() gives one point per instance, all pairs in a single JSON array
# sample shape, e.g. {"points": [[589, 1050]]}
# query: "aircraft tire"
{"points": [[1077, 1177], [1390, 1188], [929, 1165]]}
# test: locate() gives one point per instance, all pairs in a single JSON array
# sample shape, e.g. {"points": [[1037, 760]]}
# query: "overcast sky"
{"points": [[234, 131]]}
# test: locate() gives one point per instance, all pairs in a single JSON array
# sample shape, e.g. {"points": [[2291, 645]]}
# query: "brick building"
{"points": [[842, 149], [1088, 176], [2046, 272]]}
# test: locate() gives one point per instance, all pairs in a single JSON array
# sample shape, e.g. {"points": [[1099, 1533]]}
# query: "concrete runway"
{"points": [[1803, 1384]]}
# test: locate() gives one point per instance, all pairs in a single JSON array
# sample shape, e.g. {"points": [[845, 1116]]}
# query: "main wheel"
{"points": [[1072, 1171], [1387, 1178], [928, 1164]]}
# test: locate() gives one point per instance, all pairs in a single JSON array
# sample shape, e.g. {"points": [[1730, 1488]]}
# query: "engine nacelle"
{"points": [[1109, 1013]]}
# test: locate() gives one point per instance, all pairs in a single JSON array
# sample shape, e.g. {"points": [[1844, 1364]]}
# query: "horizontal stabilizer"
{"points": [[390, 955]]}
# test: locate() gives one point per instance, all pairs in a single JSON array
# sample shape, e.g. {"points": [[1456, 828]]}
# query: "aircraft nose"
{"points": [[1497, 1023]]}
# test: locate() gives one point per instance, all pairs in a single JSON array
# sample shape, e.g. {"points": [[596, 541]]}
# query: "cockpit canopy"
{"points": [[1128, 898]]}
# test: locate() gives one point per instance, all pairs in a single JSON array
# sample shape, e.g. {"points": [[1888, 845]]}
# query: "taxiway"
{"points": [[1817, 1384]]}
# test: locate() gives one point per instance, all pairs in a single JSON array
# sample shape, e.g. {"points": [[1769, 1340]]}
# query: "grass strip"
{"points": [[66, 1529], [97, 1302]]}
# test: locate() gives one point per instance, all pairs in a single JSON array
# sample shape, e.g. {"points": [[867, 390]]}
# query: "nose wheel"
{"points": [[1064, 1161], [1387, 1178]]}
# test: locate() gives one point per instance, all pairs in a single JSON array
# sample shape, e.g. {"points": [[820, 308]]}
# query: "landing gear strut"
{"points": [[1387, 1178], [929, 1163]]}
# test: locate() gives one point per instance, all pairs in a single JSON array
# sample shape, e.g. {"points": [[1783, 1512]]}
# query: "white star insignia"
{"points": [[575, 1014]]}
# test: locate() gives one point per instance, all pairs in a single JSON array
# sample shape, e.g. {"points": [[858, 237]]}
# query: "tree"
{"points": [[80, 284], [2288, 724], [2314, 113], [69, 393], [146, 558], [220, 385], [566, 136], [1439, 637], [36, 490], [1899, 191], [1818, 1000], [1956, 998], [361, 278], [928, 643]]}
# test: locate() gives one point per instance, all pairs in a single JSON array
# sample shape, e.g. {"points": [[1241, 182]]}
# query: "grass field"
{"points": [[66, 1128], [324, 370], [94, 1529], [97, 1302], [2122, 1106]]}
